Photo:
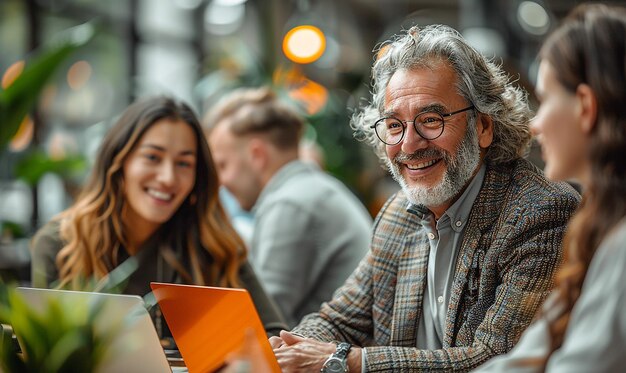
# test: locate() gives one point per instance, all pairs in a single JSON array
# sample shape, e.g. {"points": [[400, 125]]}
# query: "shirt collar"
{"points": [[460, 209]]}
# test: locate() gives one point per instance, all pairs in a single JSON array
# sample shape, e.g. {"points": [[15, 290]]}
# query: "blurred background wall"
{"points": [[199, 49]]}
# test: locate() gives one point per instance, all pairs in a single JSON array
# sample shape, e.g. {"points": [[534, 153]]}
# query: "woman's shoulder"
{"points": [[617, 235], [606, 270], [48, 238], [612, 250]]}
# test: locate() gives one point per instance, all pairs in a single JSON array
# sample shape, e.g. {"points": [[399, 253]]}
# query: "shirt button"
{"points": [[440, 299], [459, 223], [431, 235]]}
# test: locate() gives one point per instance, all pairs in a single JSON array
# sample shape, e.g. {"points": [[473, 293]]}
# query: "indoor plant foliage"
{"points": [[68, 334], [60, 338], [21, 95]]}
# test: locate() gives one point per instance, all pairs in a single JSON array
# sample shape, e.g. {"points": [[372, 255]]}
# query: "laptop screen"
{"points": [[211, 324]]}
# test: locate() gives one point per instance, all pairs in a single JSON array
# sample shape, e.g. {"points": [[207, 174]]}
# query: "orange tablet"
{"points": [[210, 323]]}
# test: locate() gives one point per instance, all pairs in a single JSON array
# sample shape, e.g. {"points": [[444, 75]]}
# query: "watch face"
{"points": [[334, 366]]}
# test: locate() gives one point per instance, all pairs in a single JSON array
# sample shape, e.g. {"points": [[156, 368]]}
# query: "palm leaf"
{"points": [[20, 97]]}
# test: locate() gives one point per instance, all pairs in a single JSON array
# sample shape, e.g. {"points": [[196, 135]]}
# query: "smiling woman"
{"points": [[152, 199], [158, 176]]}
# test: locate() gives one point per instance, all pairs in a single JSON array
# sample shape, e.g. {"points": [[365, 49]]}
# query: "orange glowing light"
{"points": [[304, 44], [24, 135], [311, 95], [383, 51], [78, 74], [12, 73]]}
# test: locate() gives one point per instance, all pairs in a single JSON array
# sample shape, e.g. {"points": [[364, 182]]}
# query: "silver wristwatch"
{"points": [[337, 362]]}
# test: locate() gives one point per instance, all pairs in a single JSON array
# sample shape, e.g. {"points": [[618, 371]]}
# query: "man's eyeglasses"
{"points": [[428, 124]]}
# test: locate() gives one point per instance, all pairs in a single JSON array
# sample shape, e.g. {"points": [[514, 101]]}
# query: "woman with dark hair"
{"points": [[581, 125], [153, 197]]}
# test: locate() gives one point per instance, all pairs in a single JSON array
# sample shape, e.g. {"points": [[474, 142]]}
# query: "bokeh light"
{"points": [[24, 135], [78, 75], [12, 73], [311, 95], [533, 18], [304, 44]]}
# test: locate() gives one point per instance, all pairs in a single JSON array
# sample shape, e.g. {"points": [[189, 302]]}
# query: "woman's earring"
{"points": [[193, 199]]}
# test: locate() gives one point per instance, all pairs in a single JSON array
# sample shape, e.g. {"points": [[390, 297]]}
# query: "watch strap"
{"points": [[343, 348], [340, 356]]}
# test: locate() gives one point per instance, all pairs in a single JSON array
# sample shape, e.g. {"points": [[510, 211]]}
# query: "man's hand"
{"points": [[298, 354]]}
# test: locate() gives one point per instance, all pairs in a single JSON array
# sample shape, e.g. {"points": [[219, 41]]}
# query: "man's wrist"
{"points": [[355, 359]]}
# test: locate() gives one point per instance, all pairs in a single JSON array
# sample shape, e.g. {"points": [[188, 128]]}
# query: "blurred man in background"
{"points": [[310, 231]]}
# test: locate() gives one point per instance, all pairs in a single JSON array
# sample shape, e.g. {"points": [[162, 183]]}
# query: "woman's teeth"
{"points": [[160, 195]]}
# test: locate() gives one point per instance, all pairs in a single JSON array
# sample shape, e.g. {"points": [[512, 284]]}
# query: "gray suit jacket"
{"points": [[310, 233], [510, 250]]}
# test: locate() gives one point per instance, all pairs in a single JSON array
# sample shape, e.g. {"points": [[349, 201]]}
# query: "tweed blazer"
{"points": [[509, 253]]}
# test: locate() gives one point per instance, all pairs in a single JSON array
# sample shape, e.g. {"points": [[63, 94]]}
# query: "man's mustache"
{"points": [[420, 154]]}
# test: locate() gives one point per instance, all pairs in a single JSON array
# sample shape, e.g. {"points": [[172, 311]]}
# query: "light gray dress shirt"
{"points": [[595, 338], [444, 236]]}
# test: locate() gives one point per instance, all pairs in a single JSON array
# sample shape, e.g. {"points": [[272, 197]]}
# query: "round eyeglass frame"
{"points": [[376, 127]]}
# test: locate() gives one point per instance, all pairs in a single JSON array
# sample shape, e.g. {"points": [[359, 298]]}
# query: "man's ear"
{"points": [[588, 107], [484, 128], [258, 153]]}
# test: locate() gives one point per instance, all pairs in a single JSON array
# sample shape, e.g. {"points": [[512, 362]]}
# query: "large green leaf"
{"points": [[20, 97], [37, 163]]}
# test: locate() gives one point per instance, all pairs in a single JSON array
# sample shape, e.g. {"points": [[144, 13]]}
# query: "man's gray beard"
{"points": [[460, 169]]}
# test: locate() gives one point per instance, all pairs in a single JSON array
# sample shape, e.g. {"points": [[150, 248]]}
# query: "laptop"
{"points": [[136, 346], [211, 325]]}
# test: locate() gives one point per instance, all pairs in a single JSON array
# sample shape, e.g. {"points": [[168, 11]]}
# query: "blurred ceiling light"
{"points": [[383, 51], [78, 75], [311, 95], [24, 135], [223, 19], [12, 73], [188, 4], [533, 17], [304, 44]]}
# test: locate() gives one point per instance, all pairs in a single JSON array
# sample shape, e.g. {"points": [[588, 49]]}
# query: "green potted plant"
{"points": [[59, 338], [68, 334], [16, 101]]}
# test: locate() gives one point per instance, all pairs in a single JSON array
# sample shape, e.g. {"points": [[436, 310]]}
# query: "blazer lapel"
{"points": [[411, 281], [484, 212]]}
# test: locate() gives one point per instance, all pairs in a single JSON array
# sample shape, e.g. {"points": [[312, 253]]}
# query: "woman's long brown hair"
{"points": [[590, 48], [93, 230]]}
